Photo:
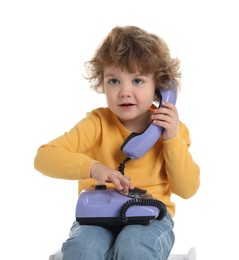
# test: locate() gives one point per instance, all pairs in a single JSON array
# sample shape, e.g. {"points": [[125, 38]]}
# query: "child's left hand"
{"points": [[167, 117]]}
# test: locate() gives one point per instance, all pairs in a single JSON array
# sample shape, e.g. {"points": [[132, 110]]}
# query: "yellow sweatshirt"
{"points": [[166, 168]]}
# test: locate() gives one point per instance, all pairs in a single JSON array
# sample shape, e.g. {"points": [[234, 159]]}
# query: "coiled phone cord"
{"points": [[122, 165], [143, 202]]}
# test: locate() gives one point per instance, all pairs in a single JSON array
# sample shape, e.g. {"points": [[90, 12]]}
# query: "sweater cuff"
{"points": [[86, 167], [173, 143]]}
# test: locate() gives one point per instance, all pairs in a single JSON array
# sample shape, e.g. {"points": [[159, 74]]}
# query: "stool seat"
{"points": [[57, 255], [191, 255]]}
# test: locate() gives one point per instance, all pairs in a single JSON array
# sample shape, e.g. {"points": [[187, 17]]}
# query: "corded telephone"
{"points": [[107, 207]]}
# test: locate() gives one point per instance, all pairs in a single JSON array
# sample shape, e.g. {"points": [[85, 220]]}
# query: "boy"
{"points": [[129, 67]]}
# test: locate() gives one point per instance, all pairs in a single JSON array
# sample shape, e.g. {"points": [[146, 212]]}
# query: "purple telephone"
{"points": [[107, 207]]}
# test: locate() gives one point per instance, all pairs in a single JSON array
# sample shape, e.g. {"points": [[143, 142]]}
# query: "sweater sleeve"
{"points": [[182, 172], [65, 157]]}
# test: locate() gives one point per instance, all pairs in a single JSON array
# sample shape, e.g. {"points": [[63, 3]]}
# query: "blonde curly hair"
{"points": [[134, 49]]}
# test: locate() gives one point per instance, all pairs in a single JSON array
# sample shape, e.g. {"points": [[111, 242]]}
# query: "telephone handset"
{"points": [[136, 145]]}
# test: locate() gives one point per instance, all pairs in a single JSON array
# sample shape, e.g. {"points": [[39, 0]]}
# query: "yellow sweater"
{"points": [[166, 168]]}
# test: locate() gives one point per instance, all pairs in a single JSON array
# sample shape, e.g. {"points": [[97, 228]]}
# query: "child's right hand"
{"points": [[103, 174]]}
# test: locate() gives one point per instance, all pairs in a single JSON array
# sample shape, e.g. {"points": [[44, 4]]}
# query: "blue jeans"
{"points": [[146, 242]]}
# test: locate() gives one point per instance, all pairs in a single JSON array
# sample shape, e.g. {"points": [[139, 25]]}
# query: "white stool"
{"points": [[191, 255]]}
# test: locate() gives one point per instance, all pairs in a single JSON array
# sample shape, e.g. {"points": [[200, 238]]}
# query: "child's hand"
{"points": [[167, 117], [103, 174]]}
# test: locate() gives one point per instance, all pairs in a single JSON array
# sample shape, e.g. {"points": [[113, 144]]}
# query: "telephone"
{"points": [[106, 207], [136, 145]]}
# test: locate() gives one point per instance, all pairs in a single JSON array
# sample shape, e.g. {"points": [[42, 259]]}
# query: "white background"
{"points": [[43, 47]]}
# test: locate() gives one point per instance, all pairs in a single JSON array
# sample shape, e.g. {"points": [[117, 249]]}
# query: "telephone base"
{"points": [[108, 207]]}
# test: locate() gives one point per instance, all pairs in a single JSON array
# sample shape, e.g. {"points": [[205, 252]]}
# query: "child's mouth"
{"points": [[126, 105]]}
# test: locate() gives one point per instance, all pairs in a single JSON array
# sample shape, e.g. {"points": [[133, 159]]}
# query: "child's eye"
{"points": [[113, 81], [137, 81]]}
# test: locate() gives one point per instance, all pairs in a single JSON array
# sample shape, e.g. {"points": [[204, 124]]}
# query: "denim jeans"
{"points": [[146, 242]]}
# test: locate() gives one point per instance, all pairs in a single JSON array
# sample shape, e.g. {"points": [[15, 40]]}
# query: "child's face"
{"points": [[128, 95]]}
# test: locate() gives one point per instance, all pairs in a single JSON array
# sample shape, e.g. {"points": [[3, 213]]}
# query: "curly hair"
{"points": [[135, 50]]}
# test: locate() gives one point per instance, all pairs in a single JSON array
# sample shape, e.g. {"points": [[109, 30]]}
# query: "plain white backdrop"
{"points": [[43, 47]]}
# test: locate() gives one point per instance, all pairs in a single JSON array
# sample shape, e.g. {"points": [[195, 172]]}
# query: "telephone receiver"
{"points": [[136, 145]]}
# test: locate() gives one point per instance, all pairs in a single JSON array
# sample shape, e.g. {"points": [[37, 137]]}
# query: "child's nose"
{"points": [[125, 91]]}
